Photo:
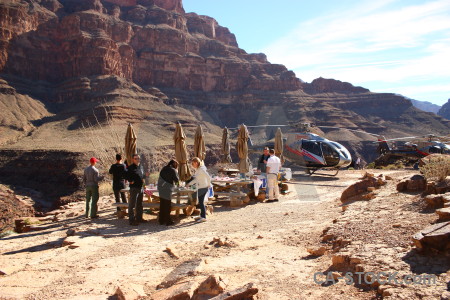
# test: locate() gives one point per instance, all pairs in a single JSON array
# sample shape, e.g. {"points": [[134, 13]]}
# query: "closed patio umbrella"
{"points": [[130, 144], [226, 158], [279, 144], [181, 153], [199, 143], [242, 149]]}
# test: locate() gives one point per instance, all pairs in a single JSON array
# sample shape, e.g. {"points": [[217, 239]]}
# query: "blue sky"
{"points": [[394, 46]]}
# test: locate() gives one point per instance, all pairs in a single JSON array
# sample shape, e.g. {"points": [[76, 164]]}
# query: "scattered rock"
{"points": [[179, 291], [182, 272], [434, 201], [435, 237], [259, 237], [218, 242], [387, 177], [414, 184], [130, 291], [212, 286], [367, 175], [245, 292], [444, 214], [171, 253], [317, 251], [70, 232], [360, 189], [2, 273], [336, 276]]}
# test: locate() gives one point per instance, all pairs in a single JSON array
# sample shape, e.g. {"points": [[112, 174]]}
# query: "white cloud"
{"points": [[372, 42]]}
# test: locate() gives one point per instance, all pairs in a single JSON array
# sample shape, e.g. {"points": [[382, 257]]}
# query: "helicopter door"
{"points": [[313, 148], [330, 155]]}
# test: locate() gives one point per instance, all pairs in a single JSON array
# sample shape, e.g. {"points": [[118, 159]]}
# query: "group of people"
{"points": [[134, 174]]}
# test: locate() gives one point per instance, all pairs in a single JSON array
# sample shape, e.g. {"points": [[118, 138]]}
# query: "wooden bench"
{"points": [[153, 206], [230, 194]]}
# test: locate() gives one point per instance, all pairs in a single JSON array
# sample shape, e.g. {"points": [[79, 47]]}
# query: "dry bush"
{"points": [[437, 168], [106, 144]]}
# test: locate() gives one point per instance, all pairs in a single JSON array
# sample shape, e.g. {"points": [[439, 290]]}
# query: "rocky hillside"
{"points": [[445, 110], [426, 106], [67, 65]]}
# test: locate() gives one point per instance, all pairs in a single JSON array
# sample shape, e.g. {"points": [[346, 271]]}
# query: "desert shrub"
{"points": [[370, 166], [437, 168], [6, 233]]}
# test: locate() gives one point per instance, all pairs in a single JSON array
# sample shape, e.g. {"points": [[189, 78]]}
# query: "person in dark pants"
{"points": [[91, 178], [203, 182], [135, 175], [262, 164], [118, 171], [168, 177]]}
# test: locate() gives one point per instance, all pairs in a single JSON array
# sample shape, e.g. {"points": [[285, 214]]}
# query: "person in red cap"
{"points": [[91, 179]]}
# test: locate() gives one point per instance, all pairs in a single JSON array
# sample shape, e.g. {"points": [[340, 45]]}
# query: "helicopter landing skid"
{"points": [[310, 172]]}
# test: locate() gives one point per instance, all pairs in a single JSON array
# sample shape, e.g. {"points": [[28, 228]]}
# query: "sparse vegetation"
{"points": [[6, 233], [29, 221], [437, 168], [370, 166]]}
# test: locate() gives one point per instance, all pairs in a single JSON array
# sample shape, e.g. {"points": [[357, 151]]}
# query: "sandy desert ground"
{"points": [[267, 246]]}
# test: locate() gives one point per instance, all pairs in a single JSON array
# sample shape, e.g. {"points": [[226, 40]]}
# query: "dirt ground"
{"points": [[267, 246]]}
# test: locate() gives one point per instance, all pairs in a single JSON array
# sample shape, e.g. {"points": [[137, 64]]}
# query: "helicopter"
{"points": [[413, 150], [311, 151]]}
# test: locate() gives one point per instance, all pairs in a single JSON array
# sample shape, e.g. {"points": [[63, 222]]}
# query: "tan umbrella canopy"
{"points": [[279, 144], [130, 144], [199, 143], [181, 153], [226, 146], [242, 149]]}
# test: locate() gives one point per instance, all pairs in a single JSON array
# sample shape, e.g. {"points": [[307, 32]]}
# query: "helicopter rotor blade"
{"points": [[353, 130]]}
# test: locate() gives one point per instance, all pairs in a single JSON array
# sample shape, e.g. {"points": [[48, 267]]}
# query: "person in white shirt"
{"points": [[203, 182], [272, 169]]}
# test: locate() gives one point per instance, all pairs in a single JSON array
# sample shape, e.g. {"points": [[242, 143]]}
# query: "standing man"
{"points": [[272, 170], [91, 179], [118, 171], [262, 167], [263, 160], [358, 163], [135, 175], [168, 177]]}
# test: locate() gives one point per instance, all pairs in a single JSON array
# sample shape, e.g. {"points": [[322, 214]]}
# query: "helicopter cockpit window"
{"points": [[330, 155], [435, 149], [312, 147]]}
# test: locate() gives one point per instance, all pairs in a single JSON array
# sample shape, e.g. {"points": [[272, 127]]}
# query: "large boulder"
{"points": [[363, 189], [434, 237], [416, 183]]}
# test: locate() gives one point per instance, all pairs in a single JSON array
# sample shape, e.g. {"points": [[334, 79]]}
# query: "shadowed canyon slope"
{"points": [[64, 63]]}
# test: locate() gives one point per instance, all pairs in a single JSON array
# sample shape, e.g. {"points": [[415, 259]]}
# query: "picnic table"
{"points": [[152, 201], [231, 187]]}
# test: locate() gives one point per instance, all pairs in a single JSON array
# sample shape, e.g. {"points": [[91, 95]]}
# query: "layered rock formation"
{"points": [[445, 110], [426, 106]]}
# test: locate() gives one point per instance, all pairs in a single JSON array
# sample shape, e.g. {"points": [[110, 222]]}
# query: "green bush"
{"points": [[370, 166]]}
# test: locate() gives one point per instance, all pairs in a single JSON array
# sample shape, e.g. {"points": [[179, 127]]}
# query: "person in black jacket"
{"points": [[168, 177], [263, 160], [135, 175], [118, 171]]}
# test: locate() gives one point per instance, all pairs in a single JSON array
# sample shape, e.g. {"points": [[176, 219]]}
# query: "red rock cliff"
{"points": [[150, 42]]}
